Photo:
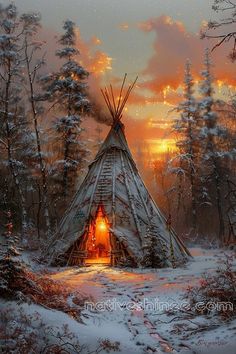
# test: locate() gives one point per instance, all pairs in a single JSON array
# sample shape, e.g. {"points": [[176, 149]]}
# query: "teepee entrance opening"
{"points": [[98, 244]]}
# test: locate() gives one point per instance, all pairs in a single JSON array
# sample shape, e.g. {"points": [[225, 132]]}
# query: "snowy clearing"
{"points": [[148, 329]]}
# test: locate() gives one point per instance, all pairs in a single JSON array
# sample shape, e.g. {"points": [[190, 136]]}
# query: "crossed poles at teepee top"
{"points": [[114, 108]]}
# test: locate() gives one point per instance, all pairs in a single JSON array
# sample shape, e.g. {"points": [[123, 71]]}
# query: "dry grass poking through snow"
{"points": [[24, 333], [217, 288], [17, 282]]}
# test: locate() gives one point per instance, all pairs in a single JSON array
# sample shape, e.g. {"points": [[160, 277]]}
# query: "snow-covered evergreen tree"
{"points": [[231, 212], [11, 268], [67, 90], [214, 147], [150, 248], [13, 128], [186, 127]]}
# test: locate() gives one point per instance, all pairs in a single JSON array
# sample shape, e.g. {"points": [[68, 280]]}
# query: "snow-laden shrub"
{"points": [[24, 333], [17, 282], [214, 291]]}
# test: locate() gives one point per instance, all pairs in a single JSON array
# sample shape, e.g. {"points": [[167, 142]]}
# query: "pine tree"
{"points": [[213, 141], [67, 90], [231, 211], [186, 127], [12, 270], [13, 129], [151, 247]]}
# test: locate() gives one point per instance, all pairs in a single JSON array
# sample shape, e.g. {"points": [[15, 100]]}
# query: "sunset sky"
{"points": [[149, 38]]}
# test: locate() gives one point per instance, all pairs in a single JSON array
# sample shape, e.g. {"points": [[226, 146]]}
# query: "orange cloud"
{"points": [[172, 46], [93, 59], [97, 63], [167, 96], [143, 129]]}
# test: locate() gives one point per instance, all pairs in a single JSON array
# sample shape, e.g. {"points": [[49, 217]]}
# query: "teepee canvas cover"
{"points": [[112, 213]]}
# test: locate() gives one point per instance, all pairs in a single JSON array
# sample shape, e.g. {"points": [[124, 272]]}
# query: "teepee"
{"points": [[112, 218]]}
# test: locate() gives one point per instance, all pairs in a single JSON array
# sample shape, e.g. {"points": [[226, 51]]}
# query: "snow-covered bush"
{"points": [[17, 281], [218, 288], [24, 333]]}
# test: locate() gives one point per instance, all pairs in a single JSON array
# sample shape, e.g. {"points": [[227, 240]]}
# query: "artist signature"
{"points": [[212, 343]]}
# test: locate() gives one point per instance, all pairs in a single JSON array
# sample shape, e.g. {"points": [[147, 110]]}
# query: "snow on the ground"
{"points": [[141, 330], [88, 333]]}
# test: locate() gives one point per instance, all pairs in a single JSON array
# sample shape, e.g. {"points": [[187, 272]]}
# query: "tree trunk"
{"points": [[193, 201], [220, 211], [218, 202], [192, 174], [9, 151], [65, 169], [43, 200]]}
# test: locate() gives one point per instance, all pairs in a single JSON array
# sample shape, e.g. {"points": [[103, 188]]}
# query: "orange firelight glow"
{"points": [[161, 146], [101, 224], [98, 244]]}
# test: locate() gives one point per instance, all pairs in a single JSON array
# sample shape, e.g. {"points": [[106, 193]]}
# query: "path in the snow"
{"points": [[128, 285], [104, 283]]}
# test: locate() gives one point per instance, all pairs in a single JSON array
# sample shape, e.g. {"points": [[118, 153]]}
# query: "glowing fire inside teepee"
{"points": [[98, 244], [101, 225]]}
